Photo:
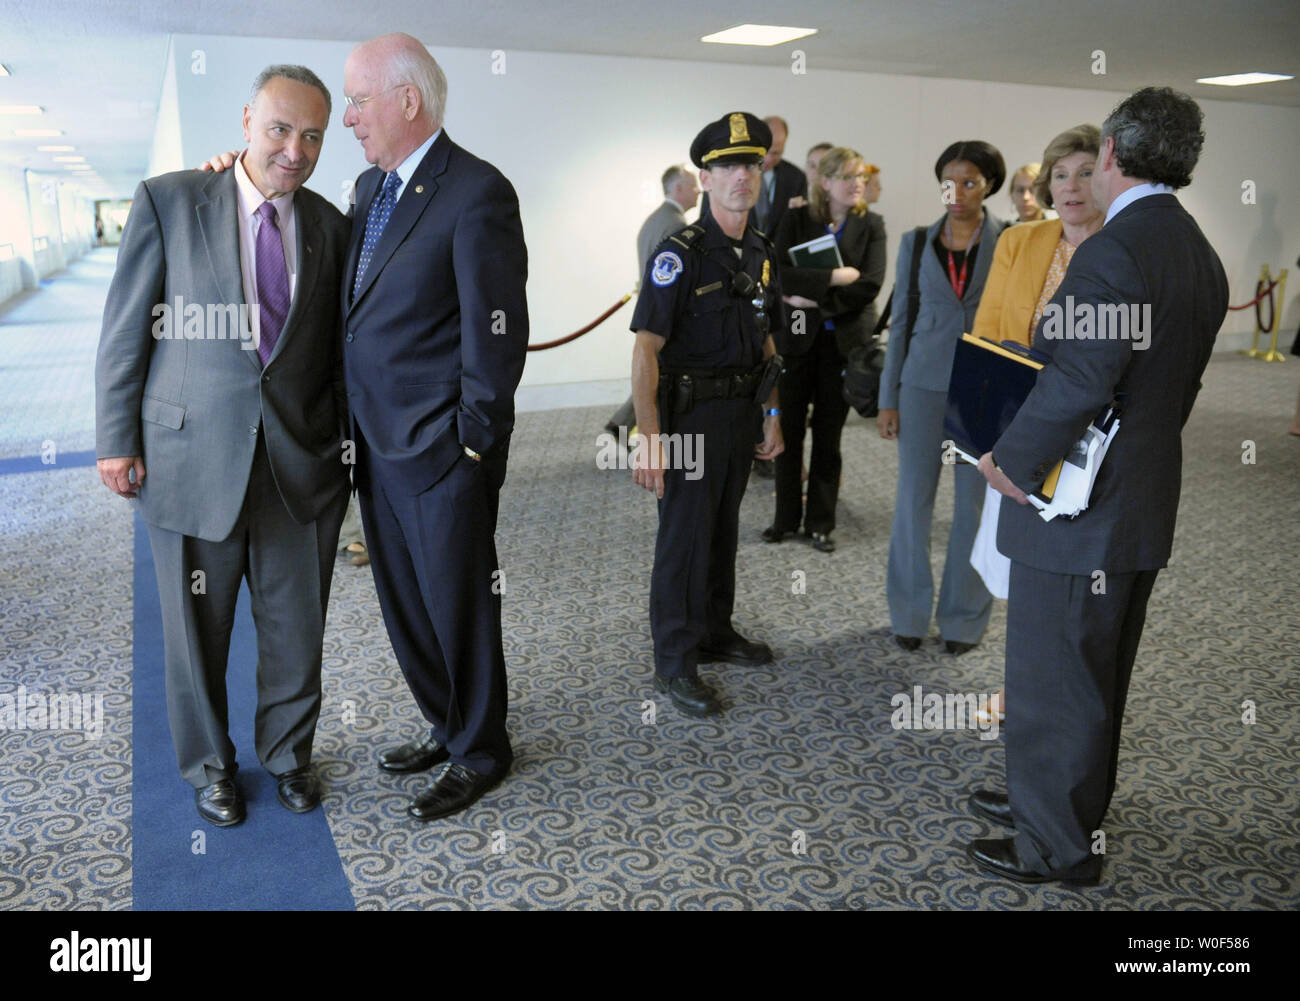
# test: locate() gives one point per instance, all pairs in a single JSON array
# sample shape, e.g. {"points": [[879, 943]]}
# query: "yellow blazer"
{"points": [[1024, 253]]}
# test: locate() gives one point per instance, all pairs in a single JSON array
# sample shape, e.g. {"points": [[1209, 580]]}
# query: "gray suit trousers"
{"points": [[964, 601], [1070, 653], [289, 568]]}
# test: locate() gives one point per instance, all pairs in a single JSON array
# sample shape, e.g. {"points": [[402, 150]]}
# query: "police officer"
{"points": [[704, 383]]}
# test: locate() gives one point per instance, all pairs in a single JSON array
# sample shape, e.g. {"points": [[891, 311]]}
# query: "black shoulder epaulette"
{"points": [[687, 236]]}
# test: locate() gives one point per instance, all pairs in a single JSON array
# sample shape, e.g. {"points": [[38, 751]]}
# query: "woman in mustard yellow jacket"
{"points": [[1028, 265]]}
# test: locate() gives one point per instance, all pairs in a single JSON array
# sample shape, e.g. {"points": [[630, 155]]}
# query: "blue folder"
{"points": [[989, 382]]}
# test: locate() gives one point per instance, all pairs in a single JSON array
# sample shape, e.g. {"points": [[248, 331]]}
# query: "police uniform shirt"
{"points": [[686, 299]]}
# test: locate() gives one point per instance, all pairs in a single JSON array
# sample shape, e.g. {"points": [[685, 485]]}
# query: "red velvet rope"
{"points": [[585, 330], [1259, 295]]}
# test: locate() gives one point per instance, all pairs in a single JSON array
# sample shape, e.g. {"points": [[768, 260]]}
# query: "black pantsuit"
{"points": [[815, 379]]}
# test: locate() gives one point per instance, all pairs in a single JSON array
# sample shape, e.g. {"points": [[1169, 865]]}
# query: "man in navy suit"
{"points": [[1079, 587], [435, 334]]}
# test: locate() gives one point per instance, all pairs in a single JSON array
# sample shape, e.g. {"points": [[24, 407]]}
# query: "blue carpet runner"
{"points": [[274, 860]]}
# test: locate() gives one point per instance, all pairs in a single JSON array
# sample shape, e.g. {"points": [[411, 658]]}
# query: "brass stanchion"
{"points": [[1272, 354], [1263, 288]]}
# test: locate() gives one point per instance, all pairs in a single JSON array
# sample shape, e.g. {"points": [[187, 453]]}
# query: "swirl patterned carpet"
{"points": [[801, 796]]}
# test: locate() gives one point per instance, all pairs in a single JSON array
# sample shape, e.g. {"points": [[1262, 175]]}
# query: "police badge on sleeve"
{"points": [[666, 268]]}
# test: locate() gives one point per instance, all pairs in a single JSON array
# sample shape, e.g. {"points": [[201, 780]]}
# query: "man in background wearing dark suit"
{"points": [[1079, 587], [243, 448], [781, 181], [435, 335]]}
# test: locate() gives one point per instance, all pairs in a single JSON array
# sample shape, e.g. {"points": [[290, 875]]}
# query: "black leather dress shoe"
{"points": [[298, 790], [691, 695], [220, 803], [1001, 858], [994, 806], [454, 788], [417, 756], [774, 534], [822, 542], [734, 649], [908, 642], [957, 647]]}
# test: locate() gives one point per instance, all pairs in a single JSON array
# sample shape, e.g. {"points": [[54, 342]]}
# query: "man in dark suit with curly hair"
{"points": [[1155, 294]]}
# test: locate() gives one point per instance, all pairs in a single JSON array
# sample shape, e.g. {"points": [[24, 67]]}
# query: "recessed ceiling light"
{"points": [[21, 109], [758, 34], [69, 159], [55, 149], [1243, 79], [38, 133]]}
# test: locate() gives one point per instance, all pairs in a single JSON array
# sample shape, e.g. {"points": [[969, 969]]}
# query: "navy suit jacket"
{"points": [[435, 337], [1152, 252]]}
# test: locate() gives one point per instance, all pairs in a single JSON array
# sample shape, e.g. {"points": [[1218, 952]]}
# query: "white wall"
{"points": [[16, 230], [165, 154], [584, 139]]}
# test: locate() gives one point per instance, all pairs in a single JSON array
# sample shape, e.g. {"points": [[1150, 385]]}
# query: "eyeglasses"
{"points": [[355, 102]]}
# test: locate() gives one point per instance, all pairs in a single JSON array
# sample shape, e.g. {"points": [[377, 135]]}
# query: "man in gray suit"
{"points": [[1155, 296], [230, 433], [681, 192]]}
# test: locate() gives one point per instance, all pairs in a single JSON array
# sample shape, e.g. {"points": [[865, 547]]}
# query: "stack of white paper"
{"points": [[1079, 471]]}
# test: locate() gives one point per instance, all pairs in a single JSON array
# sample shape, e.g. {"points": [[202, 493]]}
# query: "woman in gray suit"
{"points": [[913, 394]]}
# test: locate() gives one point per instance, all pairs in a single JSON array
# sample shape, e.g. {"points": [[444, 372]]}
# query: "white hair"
{"points": [[419, 69]]}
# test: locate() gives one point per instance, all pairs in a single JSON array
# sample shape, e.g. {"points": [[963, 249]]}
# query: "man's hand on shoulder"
{"points": [[115, 474], [219, 163]]}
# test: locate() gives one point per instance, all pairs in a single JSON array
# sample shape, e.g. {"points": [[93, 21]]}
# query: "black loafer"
{"points": [[298, 790], [1001, 858], [735, 649], [908, 642], [822, 542], [220, 803], [994, 806], [454, 788], [774, 534], [417, 756], [690, 695], [957, 647]]}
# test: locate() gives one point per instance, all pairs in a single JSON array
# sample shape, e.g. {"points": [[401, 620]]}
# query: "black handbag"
{"points": [[864, 363]]}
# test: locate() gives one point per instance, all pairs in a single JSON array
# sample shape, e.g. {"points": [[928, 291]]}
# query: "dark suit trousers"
{"points": [[693, 587], [434, 560], [1070, 653], [277, 556], [816, 379]]}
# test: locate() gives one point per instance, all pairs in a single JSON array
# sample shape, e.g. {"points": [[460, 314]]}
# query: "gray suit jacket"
{"points": [[662, 223], [926, 362], [1153, 254], [193, 406]]}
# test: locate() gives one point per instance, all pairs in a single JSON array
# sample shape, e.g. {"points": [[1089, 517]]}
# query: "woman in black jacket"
{"points": [[831, 311]]}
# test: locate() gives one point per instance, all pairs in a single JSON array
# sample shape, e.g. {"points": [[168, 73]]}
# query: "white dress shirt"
{"points": [[407, 167], [1133, 194]]}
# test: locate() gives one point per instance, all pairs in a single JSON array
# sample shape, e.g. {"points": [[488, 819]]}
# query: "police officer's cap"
{"points": [[735, 138]]}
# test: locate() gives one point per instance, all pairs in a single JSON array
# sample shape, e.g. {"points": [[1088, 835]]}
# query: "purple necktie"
{"points": [[272, 282]]}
